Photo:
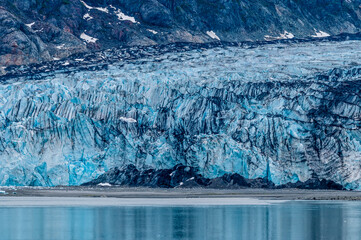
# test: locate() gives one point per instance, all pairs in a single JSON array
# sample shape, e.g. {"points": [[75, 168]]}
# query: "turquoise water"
{"points": [[290, 220]]}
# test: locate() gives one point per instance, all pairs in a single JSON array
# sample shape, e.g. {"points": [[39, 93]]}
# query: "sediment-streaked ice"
{"points": [[287, 112]]}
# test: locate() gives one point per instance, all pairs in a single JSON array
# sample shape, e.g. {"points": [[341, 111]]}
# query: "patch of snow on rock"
{"points": [[86, 5], [88, 38], [285, 35], [97, 8], [102, 9], [30, 25], [152, 31], [122, 17], [60, 46], [213, 35], [320, 34], [87, 17]]}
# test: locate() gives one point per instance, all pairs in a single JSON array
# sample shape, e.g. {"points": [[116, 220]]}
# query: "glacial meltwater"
{"points": [[283, 220]]}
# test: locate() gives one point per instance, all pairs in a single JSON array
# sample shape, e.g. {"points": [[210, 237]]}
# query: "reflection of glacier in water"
{"points": [[291, 220], [285, 112]]}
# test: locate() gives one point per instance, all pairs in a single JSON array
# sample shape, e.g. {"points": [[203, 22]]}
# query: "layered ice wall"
{"points": [[285, 112]]}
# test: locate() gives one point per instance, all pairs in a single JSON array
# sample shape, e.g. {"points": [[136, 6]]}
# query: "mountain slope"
{"points": [[45, 30]]}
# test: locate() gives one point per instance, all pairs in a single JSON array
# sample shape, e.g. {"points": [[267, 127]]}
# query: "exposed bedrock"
{"points": [[181, 176], [47, 30]]}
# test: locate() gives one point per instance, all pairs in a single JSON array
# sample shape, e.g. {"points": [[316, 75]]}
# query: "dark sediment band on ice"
{"points": [[99, 60], [187, 176]]}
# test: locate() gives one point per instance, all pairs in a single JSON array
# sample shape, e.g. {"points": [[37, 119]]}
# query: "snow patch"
{"points": [[284, 35], [122, 17], [102, 9], [87, 17], [88, 38], [190, 179], [104, 185], [287, 35], [86, 5], [152, 31], [60, 46], [129, 120], [320, 34], [213, 35], [97, 8], [30, 25]]}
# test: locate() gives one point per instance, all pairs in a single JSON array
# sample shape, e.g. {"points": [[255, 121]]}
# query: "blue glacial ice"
{"points": [[283, 111]]}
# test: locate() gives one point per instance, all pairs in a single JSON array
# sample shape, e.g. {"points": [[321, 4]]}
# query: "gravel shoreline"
{"points": [[121, 192]]}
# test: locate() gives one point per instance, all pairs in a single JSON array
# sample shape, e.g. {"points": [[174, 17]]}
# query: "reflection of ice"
{"points": [[298, 220], [74, 201]]}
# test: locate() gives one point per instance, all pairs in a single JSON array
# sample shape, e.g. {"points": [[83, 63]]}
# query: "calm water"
{"points": [[290, 220]]}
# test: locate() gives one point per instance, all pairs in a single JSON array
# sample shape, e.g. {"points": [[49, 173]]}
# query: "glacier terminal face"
{"points": [[285, 112]]}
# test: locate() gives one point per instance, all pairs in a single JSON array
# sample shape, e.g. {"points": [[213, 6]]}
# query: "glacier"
{"points": [[285, 111]]}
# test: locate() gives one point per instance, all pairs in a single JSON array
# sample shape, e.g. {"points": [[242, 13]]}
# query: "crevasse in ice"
{"points": [[285, 112]]}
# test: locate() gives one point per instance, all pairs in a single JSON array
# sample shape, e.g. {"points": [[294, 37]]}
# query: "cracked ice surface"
{"points": [[286, 112]]}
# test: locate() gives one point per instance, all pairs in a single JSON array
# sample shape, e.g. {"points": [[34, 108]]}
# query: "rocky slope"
{"points": [[45, 30], [282, 112], [188, 177]]}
